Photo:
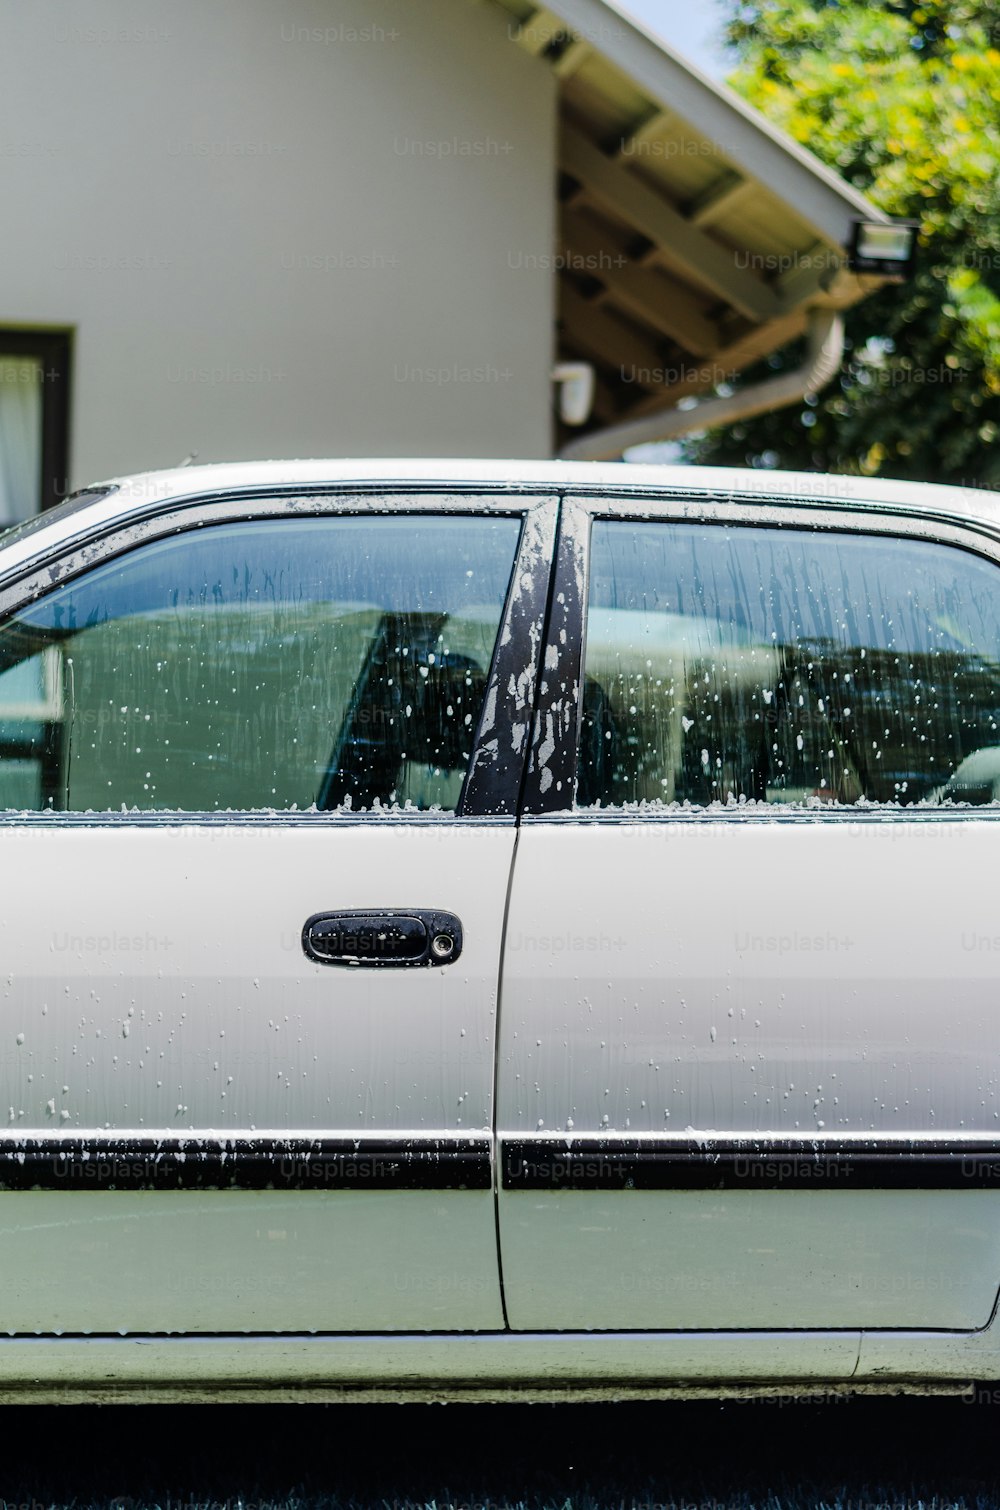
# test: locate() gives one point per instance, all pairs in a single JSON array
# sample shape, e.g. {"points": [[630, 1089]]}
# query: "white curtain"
{"points": [[20, 438]]}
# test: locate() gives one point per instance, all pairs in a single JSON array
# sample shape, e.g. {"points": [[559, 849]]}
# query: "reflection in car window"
{"points": [[275, 664], [734, 664]]}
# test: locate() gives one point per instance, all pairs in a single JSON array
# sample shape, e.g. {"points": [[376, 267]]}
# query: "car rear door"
{"points": [[749, 1045], [259, 761]]}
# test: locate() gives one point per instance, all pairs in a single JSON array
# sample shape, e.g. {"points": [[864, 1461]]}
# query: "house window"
{"points": [[34, 422]]}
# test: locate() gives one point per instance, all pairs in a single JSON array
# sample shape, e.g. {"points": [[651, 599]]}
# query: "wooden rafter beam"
{"points": [[717, 200], [654, 297], [592, 329], [571, 58], [680, 246], [539, 31], [812, 273], [732, 360], [632, 144]]}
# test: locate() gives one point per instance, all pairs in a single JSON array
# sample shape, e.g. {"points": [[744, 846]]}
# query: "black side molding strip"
{"points": [[729, 1164], [195, 1163]]}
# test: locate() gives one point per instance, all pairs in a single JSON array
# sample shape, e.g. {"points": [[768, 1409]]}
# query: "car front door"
{"points": [[748, 1071], [259, 763]]}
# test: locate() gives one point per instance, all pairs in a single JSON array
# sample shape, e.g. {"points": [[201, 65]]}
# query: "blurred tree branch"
{"points": [[902, 98]]}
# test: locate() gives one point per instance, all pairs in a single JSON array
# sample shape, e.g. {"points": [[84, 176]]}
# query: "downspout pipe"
{"points": [[825, 353]]}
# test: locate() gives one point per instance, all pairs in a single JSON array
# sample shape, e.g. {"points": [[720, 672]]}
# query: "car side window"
{"points": [[292, 663], [740, 663]]}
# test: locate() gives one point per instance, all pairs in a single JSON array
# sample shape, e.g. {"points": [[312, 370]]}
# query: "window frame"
{"points": [[550, 780], [53, 348], [495, 773]]}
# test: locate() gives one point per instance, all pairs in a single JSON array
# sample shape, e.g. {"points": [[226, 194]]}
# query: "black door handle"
{"points": [[399, 936]]}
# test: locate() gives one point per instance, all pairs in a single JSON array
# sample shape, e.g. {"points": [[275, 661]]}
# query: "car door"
{"points": [[749, 1047], [259, 760]]}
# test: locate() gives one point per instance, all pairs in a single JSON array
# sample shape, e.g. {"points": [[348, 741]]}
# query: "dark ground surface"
{"points": [[850, 1453]]}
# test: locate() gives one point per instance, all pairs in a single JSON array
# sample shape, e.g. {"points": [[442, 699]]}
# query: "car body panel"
{"points": [[197, 1018], [488, 1366], [751, 1051], [682, 1011]]}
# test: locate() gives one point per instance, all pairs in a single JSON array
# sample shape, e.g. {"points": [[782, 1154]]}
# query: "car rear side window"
{"points": [[321, 662], [732, 664]]}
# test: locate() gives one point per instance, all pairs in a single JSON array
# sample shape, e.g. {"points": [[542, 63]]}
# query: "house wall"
{"points": [[281, 227]]}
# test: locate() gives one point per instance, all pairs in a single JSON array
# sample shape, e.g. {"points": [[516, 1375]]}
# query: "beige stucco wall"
{"points": [[281, 227]]}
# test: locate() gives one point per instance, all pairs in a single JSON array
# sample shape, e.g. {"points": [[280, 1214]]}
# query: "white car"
{"points": [[473, 927]]}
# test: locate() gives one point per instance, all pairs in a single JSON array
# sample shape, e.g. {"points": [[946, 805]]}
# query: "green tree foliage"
{"points": [[902, 99]]}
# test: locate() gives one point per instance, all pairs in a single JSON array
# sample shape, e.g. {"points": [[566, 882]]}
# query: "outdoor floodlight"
{"points": [[887, 248]]}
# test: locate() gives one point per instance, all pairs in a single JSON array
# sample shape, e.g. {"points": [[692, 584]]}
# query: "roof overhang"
{"points": [[695, 237]]}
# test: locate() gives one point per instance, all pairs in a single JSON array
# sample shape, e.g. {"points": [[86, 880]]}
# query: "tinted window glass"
{"points": [[273, 664], [779, 665]]}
